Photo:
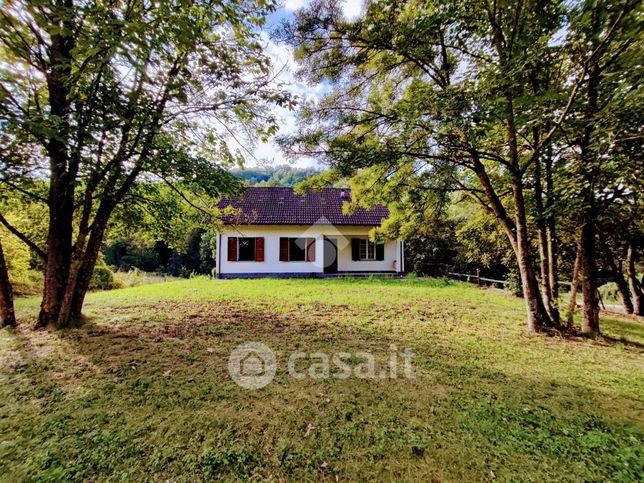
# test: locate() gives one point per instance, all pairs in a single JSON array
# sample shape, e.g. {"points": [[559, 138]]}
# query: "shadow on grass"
{"points": [[623, 341], [626, 330]]}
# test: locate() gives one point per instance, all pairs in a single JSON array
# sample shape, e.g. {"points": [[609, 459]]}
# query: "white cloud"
{"points": [[352, 8], [292, 5]]}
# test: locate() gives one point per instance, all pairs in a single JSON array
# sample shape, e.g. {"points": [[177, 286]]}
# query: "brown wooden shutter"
{"points": [[355, 249], [232, 248], [283, 249], [380, 251], [310, 249], [259, 249]]}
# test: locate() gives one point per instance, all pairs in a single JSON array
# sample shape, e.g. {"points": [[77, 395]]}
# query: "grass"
{"points": [[141, 390], [135, 278]]}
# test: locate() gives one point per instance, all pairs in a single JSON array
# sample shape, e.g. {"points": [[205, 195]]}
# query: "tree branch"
{"points": [[24, 238], [25, 192]]}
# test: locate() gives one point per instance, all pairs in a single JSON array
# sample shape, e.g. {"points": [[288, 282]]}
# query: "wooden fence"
{"points": [[478, 280]]}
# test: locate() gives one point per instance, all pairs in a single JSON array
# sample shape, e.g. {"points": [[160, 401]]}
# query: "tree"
{"points": [[434, 91], [159, 230], [283, 175], [501, 101], [485, 244], [604, 134], [102, 94]]}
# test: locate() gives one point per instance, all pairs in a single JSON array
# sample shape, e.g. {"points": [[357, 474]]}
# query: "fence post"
{"points": [[478, 277], [446, 270]]}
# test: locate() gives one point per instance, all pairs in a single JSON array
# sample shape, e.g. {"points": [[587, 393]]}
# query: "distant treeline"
{"points": [[283, 175]]}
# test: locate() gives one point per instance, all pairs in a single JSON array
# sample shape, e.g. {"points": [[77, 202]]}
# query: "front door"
{"points": [[330, 255]]}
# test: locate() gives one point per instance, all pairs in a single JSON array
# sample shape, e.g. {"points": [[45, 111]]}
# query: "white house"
{"points": [[273, 232]]}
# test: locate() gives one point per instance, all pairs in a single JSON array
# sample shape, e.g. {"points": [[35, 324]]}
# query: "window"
{"points": [[297, 249], [363, 249], [246, 250], [367, 250]]}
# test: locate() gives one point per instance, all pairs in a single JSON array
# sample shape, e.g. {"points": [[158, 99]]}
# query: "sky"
{"points": [[269, 154]]}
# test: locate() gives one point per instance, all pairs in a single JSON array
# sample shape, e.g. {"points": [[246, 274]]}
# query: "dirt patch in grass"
{"points": [[181, 320]]}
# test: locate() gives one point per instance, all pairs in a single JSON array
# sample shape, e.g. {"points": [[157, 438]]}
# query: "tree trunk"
{"points": [[622, 289], [590, 322], [633, 282], [553, 268], [99, 226], [538, 318], [65, 314], [551, 229], [496, 206], [59, 248], [572, 305], [618, 276], [545, 217], [86, 270], [63, 169], [544, 246], [84, 263], [7, 313]]}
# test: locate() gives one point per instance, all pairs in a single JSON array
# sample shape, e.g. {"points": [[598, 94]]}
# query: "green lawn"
{"points": [[141, 391]]}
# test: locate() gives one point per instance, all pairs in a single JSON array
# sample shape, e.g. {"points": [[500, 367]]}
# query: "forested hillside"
{"points": [[282, 175]]}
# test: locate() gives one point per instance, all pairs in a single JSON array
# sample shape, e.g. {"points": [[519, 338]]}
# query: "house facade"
{"points": [[273, 232]]}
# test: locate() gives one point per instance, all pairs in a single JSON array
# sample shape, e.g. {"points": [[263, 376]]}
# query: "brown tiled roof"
{"points": [[281, 206]]}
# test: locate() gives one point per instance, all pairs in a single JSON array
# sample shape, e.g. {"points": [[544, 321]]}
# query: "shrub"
{"points": [[102, 278], [513, 283], [24, 279], [28, 283]]}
